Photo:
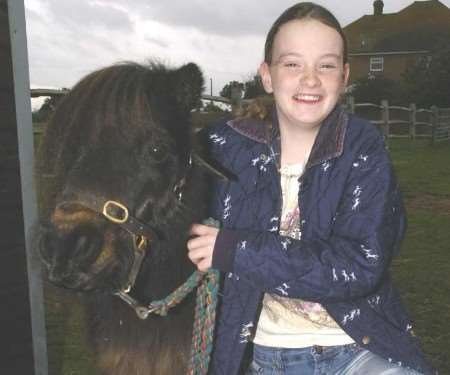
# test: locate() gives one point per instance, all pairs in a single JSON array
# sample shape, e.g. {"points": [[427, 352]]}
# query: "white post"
{"points": [[19, 55], [385, 118], [351, 104], [412, 120], [434, 123]]}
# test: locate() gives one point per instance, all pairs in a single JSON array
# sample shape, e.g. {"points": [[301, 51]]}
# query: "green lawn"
{"points": [[421, 272]]}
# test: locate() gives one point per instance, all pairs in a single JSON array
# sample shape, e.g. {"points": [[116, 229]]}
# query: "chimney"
{"points": [[378, 7]]}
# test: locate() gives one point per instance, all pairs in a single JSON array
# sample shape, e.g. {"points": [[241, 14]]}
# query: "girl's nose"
{"points": [[310, 78]]}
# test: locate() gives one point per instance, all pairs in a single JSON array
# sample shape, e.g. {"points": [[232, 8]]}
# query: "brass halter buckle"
{"points": [[141, 242], [122, 215]]}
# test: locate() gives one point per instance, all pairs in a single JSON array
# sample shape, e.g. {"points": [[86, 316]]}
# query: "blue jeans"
{"points": [[332, 360]]}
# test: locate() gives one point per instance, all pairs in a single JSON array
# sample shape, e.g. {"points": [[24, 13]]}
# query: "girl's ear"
{"points": [[346, 73], [266, 78]]}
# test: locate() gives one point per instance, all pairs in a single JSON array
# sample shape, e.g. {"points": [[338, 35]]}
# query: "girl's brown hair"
{"points": [[302, 11]]}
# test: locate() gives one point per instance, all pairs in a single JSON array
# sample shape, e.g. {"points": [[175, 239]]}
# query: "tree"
{"points": [[427, 82], [43, 114], [227, 89], [254, 88], [374, 89]]}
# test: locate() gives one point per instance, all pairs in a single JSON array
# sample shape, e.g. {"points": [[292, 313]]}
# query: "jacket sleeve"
{"points": [[348, 264]]}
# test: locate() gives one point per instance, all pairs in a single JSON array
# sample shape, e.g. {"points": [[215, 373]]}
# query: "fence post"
{"points": [[385, 118], [350, 105], [412, 120], [434, 123], [22, 316]]}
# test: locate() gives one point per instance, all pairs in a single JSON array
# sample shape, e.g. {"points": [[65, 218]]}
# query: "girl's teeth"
{"points": [[307, 97]]}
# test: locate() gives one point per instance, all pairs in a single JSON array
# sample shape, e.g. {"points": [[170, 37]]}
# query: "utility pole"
{"points": [[210, 80]]}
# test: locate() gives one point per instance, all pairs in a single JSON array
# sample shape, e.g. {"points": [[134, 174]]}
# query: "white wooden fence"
{"points": [[394, 121], [406, 122]]}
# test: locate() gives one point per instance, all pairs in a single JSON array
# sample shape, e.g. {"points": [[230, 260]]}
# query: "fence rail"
{"points": [[394, 121], [405, 122]]}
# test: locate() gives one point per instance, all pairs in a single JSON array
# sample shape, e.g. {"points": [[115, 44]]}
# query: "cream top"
{"points": [[288, 322]]}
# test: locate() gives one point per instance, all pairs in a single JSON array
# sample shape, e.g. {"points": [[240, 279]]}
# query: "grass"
{"points": [[422, 168], [421, 272]]}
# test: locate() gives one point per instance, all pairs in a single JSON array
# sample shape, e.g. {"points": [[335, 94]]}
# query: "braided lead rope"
{"points": [[203, 330], [161, 307], [204, 318], [205, 312]]}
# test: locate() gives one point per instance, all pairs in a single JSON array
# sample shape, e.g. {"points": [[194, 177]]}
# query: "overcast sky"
{"points": [[69, 38]]}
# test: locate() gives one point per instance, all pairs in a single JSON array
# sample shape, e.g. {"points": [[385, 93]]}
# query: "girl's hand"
{"points": [[201, 247]]}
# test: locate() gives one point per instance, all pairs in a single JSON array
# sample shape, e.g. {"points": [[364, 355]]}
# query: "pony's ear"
{"points": [[189, 86]]}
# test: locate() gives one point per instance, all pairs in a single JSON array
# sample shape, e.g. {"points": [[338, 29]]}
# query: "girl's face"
{"points": [[307, 74]]}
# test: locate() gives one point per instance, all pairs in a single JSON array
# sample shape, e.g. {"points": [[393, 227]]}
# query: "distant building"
{"points": [[386, 44]]}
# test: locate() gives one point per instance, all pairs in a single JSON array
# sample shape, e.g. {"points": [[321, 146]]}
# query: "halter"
{"points": [[142, 234]]}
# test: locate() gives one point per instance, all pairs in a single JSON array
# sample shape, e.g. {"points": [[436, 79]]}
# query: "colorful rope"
{"points": [[204, 319], [203, 331], [161, 307], [205, 312]]}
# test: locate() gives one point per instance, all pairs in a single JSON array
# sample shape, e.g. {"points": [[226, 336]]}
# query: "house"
{"points": [[386, 44]]}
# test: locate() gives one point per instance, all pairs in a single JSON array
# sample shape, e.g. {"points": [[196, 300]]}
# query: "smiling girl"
{"points": [[309, 224]]}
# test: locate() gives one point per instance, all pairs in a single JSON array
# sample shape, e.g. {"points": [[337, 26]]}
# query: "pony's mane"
{"points": [[112, 102], [257, 109]]}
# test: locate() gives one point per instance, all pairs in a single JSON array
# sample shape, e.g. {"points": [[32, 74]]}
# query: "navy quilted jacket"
{"points": [[352, 223]]}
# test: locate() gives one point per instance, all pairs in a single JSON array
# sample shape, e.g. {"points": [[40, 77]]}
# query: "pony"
{"points": [[120, 189]]}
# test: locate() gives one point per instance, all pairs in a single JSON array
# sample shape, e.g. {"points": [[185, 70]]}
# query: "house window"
{"points": [[425, 61], [376, 64]]}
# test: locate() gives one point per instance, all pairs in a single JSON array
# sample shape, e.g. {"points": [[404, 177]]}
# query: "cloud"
{"points": [[92, 15], [232, 18], [157, 41], [69, 38]]}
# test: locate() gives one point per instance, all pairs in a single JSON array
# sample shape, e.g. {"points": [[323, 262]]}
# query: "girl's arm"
{"points": [[349, 264]]}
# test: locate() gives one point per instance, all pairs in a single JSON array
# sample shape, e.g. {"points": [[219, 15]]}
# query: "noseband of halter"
{"points": [[142, 234]]}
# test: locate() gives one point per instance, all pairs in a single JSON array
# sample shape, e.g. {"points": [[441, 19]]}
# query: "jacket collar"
{"points": [[328, 144]]}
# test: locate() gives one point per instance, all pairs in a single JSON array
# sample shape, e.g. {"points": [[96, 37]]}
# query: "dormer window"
{"points": [[376, 64]]}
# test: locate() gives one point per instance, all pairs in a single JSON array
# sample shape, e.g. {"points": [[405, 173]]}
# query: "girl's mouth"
{"points": [[307, 98]]}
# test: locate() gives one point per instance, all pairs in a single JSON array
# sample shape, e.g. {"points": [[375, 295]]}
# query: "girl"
{"points": [[310, 222]]}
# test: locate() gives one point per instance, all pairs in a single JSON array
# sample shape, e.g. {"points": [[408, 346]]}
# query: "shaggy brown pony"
{"points": [[123, 133]]}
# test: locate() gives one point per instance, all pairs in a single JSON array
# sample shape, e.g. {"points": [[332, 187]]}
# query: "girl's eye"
{"points": [[292, 65], [328, 66]]}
